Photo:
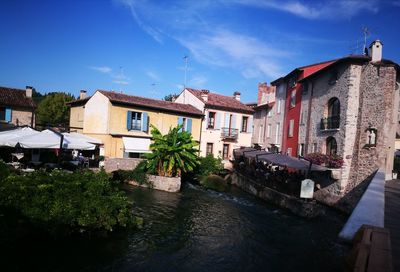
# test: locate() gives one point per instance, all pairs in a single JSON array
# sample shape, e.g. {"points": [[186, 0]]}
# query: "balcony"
{"points": [[330, 123], [229, 133]]}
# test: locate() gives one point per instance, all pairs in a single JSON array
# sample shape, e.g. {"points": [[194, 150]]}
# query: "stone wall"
{"points": [[113, 164], [22, 117], [297, 206], [166, 184]]}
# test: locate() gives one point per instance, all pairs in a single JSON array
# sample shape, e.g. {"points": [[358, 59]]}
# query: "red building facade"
{"points": [[290, 140]]}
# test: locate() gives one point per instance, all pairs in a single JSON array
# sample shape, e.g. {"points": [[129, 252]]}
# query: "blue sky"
{"points": [[138, 46]]}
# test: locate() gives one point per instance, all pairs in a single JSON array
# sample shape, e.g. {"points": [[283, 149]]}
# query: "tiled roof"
{"points": [[15, 97], [150, 103], [222, 102]]}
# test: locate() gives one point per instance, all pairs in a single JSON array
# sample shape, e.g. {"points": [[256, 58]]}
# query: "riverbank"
{"points": [[193, 230]]}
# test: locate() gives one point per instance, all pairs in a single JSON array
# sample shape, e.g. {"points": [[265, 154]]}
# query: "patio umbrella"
{"points": [[7, 137], [291, 162], [82, 137]]}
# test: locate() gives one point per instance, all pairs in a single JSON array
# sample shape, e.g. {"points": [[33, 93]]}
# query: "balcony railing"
{"points": [[229, 133], [332, 122]]}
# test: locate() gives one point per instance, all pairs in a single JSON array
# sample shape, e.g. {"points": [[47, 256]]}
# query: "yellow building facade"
{"points": [[123, 123]]}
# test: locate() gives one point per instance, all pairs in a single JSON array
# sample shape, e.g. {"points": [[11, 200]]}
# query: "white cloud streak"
{"points": [[101, 69], [331, 9], [152, 75]]}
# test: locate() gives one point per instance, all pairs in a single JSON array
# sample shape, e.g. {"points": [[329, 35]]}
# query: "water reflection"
{"points": [[195, 230]]}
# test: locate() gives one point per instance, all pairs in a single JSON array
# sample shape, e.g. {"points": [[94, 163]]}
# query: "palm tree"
{"points": [[172, 153]]}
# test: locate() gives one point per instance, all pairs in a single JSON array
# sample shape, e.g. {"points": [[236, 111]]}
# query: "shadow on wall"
{"points": [[349, 201]]}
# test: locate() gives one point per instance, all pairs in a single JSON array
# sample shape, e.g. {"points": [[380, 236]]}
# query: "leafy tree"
{"points": [[172, 153], [53, 110], [169, 97]]}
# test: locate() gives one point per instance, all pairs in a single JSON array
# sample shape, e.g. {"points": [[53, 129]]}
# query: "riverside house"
{"points": [[228, 123], [123, 121], [16, 108]]}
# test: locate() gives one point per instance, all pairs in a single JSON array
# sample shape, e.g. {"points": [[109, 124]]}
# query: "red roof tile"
{"points": [[150, 103], [222, 102], [15, 97]]}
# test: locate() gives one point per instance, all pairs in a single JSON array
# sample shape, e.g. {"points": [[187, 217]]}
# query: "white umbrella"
{"points": [[83, 137], [7, 137], [51, 140]]}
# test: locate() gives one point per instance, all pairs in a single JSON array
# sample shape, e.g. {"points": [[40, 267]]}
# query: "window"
{"points": [[302, 114], [293, 99], [245, 121], [186, 124], [269, 131], [333, 78], [292, 82], [225, 152], [211, 120], [2, 114], [135, 155], [301, 150], [278, 108], [331, 146], [136, 121], [278, 128], [260, 134], [291, 128], [209, 149], [333, 120], [304, 87]]}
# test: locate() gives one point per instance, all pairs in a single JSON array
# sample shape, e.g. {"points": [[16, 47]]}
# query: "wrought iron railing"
{"points": [[332, 122], [229, 133]]}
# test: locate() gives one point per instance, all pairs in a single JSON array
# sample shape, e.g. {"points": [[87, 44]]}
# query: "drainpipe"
{"points": [[309, 119]]}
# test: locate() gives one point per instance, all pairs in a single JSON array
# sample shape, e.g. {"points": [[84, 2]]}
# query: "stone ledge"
{"points": [[167, 184]]}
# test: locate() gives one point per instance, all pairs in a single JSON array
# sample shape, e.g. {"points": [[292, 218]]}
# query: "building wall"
{"points": [[214, 135], [367, 98], [187, 97], [76, 118], [108, 122], [22, 117]]}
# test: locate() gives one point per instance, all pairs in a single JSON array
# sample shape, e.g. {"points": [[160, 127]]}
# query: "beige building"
{"points": [[16, 108], [228, 123], [123, 121]]}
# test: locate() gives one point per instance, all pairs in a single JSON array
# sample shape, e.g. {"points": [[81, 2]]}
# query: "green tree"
{"points": [[53, 110], [169, 97], [172, 153]]}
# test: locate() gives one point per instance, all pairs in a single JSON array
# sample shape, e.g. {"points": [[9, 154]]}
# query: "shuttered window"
{"points": [[137, 121]]}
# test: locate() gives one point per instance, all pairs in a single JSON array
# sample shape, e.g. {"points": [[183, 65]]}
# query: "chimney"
{"points": [[236, 95], [82, 94], [204, 95], [376, 51], [28, 91]]}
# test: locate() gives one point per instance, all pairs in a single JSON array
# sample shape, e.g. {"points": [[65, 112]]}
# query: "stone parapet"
{"points": [[167, 184], [114, 164]]}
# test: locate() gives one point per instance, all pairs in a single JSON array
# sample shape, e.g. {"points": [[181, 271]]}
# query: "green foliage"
{"points": [[214, 182], [4, 170], [63, 202], [172, 153], [169, 97], [139, 174], [53, 110], [208, 165]]}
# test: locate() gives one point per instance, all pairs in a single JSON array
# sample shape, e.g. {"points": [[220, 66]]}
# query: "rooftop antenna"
{"points": [[366, 33], [186, 66]]}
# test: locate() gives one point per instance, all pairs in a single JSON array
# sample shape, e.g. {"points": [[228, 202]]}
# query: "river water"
{"points": [[194, 230]]}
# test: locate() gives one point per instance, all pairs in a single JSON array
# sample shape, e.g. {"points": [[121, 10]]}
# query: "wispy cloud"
{"points": [[153, 75], [197, 81], [118, 78], [101, 69], [226, 48], [330, 9]]}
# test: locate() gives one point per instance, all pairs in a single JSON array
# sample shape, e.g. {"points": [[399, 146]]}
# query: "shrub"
{"points": [[4, 170], [214, 182], [334, 161], [63, 202], [139, 174], [208, 165]]}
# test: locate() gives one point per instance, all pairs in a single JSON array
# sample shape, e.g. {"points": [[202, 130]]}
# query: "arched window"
{"points": [[333, 113], [331, 146]]}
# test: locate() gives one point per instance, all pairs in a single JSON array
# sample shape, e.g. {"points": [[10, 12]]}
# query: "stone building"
{"points": [[350, 109], [16, 108]]}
